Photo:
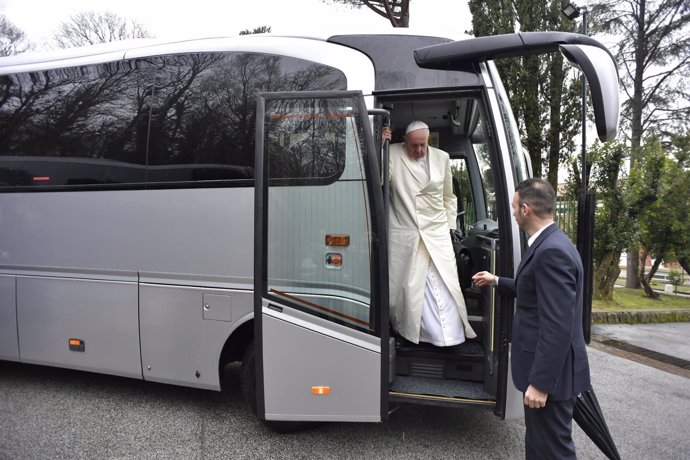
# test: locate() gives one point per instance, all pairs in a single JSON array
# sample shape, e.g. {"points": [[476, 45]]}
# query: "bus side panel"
{"points": [[192, 236], [9, 347], [103, 315], [183, 331]]}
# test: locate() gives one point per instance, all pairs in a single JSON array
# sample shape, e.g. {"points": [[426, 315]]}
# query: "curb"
{"points": [[640, 316]]}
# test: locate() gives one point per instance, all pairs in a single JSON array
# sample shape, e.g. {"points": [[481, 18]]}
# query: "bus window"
{"points": [[318, 249], [520, 160], [202, 123], [481, 153], [181, 119], [473, 175], [306, 148], [74, 126], [462, 189]]}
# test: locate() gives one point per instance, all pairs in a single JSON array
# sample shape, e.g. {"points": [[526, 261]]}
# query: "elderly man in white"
{"points": [[426, 302]]}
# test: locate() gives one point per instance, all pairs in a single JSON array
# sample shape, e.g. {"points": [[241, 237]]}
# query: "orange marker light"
{"points": [[76, 344], [321, 390], [338, 240]]}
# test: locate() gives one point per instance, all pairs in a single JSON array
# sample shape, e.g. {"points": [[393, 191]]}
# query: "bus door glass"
{"points": [[474, 183], [319, 303]]}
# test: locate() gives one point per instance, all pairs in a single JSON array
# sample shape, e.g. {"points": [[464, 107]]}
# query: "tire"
{"points": [[248, 375]]}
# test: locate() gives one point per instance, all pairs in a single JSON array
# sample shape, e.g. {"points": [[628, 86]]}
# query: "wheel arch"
{"points": [[236, 344]]}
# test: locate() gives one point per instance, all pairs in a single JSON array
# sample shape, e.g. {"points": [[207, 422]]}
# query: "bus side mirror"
{"points": [[602, 77]]}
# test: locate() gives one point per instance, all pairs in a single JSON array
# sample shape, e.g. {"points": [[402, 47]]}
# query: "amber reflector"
{"points": [[337, 240], [320, 390]]}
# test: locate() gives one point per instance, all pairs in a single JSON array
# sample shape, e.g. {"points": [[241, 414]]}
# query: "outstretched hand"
{"points": [[482, 279]]}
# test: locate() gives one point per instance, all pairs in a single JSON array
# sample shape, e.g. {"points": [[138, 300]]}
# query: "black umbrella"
{"points": [[587, 413]]}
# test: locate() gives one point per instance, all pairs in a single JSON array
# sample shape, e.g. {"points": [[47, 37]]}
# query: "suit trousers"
{"points": [[549, 433]]}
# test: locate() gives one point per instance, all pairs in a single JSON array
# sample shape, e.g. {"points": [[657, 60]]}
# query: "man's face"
{"points": [[416, 143], [517, 212]]}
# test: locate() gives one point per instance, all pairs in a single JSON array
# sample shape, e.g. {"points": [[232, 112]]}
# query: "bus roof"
{"points": [[110, 50], [389, 54]]}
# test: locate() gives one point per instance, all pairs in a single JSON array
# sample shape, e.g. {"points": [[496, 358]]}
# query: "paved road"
{"points": [[667, 338], [48, 413]]}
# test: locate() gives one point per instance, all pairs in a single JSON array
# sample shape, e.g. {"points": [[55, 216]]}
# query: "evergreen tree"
{"points": [[616, 219], [663, 198], [544, 91]]}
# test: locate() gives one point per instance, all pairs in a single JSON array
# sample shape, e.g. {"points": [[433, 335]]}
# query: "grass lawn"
{"points": [[634, 299]]}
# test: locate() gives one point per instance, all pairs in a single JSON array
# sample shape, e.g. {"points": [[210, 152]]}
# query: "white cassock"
{"points": [[426, 301]]}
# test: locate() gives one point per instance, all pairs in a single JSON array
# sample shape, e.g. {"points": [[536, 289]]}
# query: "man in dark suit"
{"points": [[549, 356]]}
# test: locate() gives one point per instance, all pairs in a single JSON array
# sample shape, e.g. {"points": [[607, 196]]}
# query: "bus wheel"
{"points": [[248, 375]]}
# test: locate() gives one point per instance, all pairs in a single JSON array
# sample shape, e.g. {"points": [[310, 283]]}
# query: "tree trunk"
{"points": [[685, 263], [531, 113], [647, 279], [384, 8], [556, 77], [637, 105], [642, 254], [631, 279], [405, 14], [606, 275]]}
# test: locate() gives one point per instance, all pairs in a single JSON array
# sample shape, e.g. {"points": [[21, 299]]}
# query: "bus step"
{"points": [[460, 362], [424, 389]]}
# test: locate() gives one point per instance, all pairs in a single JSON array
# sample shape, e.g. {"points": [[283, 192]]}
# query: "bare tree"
{"points": [[396, 11], [90, 28], [256, 30], [12, 39]]}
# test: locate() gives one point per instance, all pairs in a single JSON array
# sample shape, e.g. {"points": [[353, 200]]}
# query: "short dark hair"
{"points": [[538, 194]]}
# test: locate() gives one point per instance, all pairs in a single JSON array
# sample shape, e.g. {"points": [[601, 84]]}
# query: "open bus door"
{"points": [[320, 299], [599, 68]]}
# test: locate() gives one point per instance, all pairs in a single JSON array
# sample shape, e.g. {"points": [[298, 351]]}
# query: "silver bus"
{"points": [[167, 209]]}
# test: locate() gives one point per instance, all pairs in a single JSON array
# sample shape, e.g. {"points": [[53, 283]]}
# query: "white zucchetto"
{"points": [[415, 125]]}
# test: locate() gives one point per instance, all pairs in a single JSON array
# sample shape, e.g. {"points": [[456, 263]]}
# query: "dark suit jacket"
{"points": [[549, 349]]}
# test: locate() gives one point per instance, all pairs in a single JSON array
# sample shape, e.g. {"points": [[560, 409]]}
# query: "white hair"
{"points": [[415, 125]]}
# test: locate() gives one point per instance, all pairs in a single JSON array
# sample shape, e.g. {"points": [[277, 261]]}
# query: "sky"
{"points": [[210, 18]]}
